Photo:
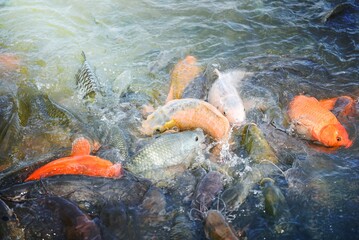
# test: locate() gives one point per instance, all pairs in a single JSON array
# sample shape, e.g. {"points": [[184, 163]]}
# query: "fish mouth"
{"points": [[349, 144]]}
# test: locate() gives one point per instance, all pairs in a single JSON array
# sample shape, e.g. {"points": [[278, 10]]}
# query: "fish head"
{"points": [[155, 123], [193, 140], [234, 112], [190, 60], [335, 135]]}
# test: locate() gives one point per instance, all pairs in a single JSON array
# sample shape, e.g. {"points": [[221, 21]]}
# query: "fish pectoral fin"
{"points": [[170, 124]]}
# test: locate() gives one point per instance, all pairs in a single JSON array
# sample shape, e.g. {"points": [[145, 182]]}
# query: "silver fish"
{"points": [[87, 81], [166, 151]]}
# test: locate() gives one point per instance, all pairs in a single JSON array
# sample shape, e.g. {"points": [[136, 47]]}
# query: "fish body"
{"points": [[167, 150], [77, 225], [217, 228], [182, 74], [89, 193], [80, 162], [87, 81], [198, 88], [187, 114], [314, 122], [224, 96]]}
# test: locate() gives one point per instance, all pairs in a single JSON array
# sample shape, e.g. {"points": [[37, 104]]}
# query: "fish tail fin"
{"points": [[83, 56]]}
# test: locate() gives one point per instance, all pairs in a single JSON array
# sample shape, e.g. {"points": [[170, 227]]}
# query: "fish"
{"points": [[77, 225], [256, 145], [166, 151], [86, 80], [182, 74], [79, 162], [217, 228], [224, 96], [313, 122], [89, 193], [187, 114], [197, 88], [9, 62], [339, 106], [207, 190]]}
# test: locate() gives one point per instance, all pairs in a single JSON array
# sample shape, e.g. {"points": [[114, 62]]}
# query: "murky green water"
{"points": [[136, 43]]}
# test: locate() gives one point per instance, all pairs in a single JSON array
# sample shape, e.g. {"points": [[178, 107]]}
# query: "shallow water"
{"points": [[136, 43]]}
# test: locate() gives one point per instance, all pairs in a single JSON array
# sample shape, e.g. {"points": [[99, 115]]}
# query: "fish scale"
{"points": [[167, 150], [86, 80]]}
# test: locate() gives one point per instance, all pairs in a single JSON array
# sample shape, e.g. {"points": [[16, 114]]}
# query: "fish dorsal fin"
{"points": [[81, 146]]}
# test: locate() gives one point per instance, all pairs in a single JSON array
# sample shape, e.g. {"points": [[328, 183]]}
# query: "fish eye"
{"points": [[339, 139], [224, 113], [196, 139], [157, 130]]}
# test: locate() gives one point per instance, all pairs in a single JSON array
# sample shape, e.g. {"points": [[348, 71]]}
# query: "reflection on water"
{"points": [[133, 45]]}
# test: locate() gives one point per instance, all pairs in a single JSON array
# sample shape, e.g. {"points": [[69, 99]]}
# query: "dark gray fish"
{"points": [[153, 208], [207, 190], [9, 224], [338, 10], [89, 193], [87, 81], [77, 225], [119, 222], [197, 88], [183, 228]]}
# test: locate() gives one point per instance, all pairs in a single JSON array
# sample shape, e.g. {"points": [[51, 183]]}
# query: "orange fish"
{"points": [[79, 162], [314, 122], [187, 114], [182, 74], [342, 106], [9, 62]]}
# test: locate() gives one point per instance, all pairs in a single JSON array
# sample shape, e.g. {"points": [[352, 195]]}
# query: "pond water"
{"points": [[133, 45]]}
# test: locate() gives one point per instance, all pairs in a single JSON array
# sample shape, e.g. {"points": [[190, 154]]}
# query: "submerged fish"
{"points": [[224, 96], [217, 228], [313, 122], [89, 193], [187, 114], [80, 162], [77, 225], [87, 81], [166, 151], [182, 74]]}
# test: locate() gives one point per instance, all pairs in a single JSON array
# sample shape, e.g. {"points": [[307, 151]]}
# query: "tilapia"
{"points": [[182, 74], [86, 80], [187, 114], [166, 151], [224, 96]]}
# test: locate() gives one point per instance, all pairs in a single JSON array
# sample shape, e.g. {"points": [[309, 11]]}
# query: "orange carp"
{"points": [[313, 122], [182, 74], [224, 96], [187, 114], [79, 162]]}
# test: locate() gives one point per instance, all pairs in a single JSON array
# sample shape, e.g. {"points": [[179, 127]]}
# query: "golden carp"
{"points": [[224, 96], [187, 114], [313, 122], [182, 74]]}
